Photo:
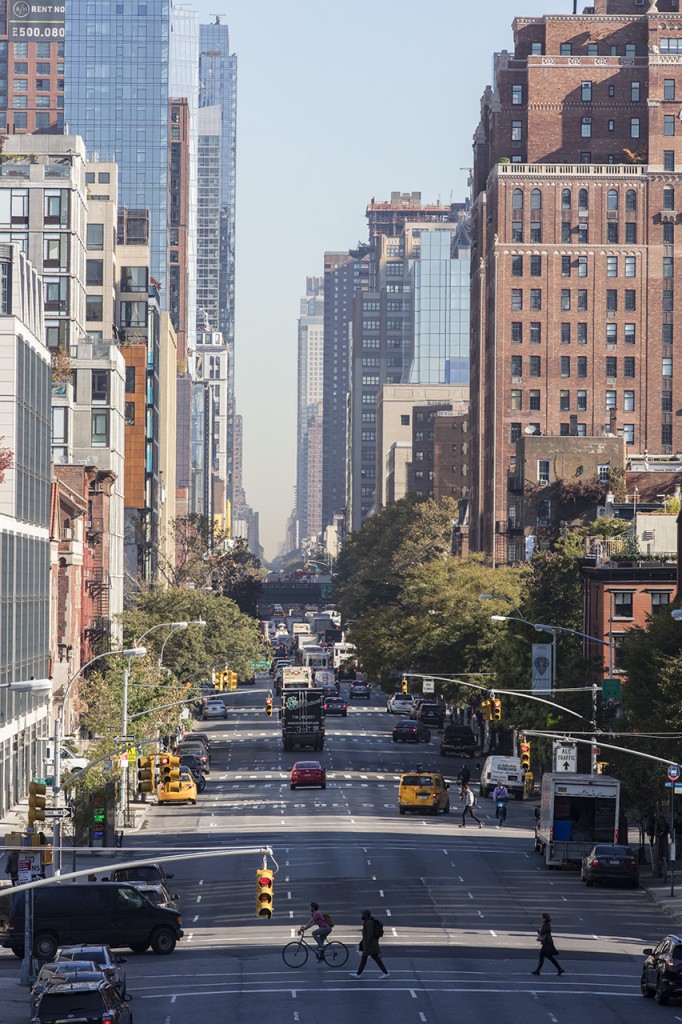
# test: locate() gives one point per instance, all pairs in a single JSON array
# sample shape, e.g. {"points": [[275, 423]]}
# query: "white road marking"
{"points": [[198, 899], [422, 1016], [412, 993], [196, 918], [201, 881], [288, 895], [494, 934], [381, 893], [388, 913], [394, 931]]}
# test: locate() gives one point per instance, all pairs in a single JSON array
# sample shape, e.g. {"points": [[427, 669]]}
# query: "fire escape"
{"points": [[97, 585]]}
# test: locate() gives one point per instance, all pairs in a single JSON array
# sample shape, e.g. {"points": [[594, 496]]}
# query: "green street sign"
{"points": [[610, 689]]}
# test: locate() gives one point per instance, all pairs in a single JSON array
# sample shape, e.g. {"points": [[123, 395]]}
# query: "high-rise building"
{"points": [[309, 407], [575, 301]]}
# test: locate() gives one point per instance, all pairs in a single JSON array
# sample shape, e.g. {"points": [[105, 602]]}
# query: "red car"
{"points": [[308, 773]]}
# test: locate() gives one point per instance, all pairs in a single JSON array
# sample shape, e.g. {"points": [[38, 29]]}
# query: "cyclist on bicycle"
{"points": [[320, 925], [500, 796]]}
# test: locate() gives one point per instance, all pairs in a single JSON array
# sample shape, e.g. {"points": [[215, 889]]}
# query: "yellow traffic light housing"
{"points": [[36, 802], [145, 774], [265, 892], [268, 706], [524, 754], [170, 769], [497, 710], [232, 680], [486, 710], [404, 685]]}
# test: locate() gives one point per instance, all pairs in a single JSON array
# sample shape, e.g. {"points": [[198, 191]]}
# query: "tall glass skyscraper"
{"points": [[116, 89]]}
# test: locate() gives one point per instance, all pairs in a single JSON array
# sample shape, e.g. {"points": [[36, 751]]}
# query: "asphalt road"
{"points": [[460, 907]]}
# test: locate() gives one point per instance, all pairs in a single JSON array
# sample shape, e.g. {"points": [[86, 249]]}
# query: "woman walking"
{"points": [[547, 948]]}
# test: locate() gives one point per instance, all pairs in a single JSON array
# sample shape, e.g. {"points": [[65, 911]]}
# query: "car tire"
{"points": [[45, 946], [138, 947], [401, 809], [193, 802], [163, 941], [293, 786], [647, 992], [395, 739], [661, 994], [323, 786]]}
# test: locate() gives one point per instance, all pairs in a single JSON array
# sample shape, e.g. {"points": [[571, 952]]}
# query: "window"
{"points": [[564, 429], [517, 366], [582, 266], [535, 231], [583, 234], [634, 127], [668, 266], [610, 400], [611, 367], [631, 233], [94, 272], [592, 50], [630, 50], [610, 125], [667, 301], [535, 332], [668, 159], [536, 266], [517, 199], [100, 387], [666, 401], [535, 49], [631, 266], [611, 334], [516, 131], [134, 279], [536, 298], [612, 266], [565, 401], [565, 266], [565, 49], [673, 45], [517, 231], [517, 266], [668, 233], [586, 128], [583, 201], [515, 405], [95, 236], [581, 401], [566, 199], [565, 366], [133, 314], [99, 428], [612, 199], [668, 198], [628, 401], [582, 366], [586, 92], [130, 380], [536, 199], [659, 599], [630, 299], [514, 432], [629, 334], [534, 401], [517, 95], [611, 299], [622, 604], [543, 471], [94, 307], [582, 334], [517, 298], [565, 298], [667, 366], [585, 157], [668, 124], [404, 421], [565, 334], [612, 233], [667, 334], [129, 414], [535, 366], [634, 92], [566, 231], [629, 433], [666, 433], [516, 332], [582, 298]]}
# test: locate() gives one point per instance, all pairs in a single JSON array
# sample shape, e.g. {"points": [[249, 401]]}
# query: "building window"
{"points": [[134, 279], [622, 604], [534, 401], [628, 401], [611, 399], [586, 92], [634, 127], [612, 266], [517, 266], [517, 298], [93, 307], [536, 199], [582, 334], [565, 366], [659, 599], [99, 431], [543, 471], [629, 334], [630, 50], [133, 314], [611, 299], [566, 199], [130, 380], [611, 367], [566, 231], [586, 128], [668, 233], [565, 334], [565, 298], [517, 95], [668, 198], [667, 366], [565, 49], [565, 401], [99, 387], [517, 366], [516, 400], [631, 233], [666, 401], [129, 414], [95, 236], [592, 50], [582, 366], [94, 272], [668, 159], [514, 432], [668, 266], [535, 366], [583, 200], [565, 266], [583, 234], [517, 231], [535, 264], [586, 157], [635, 88], [612, 233], [667, 301], [517, 131], [668, 124], [629, 366], [581, 401], [582, 266], [612, 334], [404, 421], [516, 332], [631, 266], [535, 49], [517, 199], [666, 433], [536, 232], [610, 125], [630, 299], [582, 299], [535, 298], [667, 334], [629, 433]]}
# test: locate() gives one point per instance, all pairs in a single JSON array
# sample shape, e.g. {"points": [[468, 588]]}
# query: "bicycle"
{"points": [[296, 953]]}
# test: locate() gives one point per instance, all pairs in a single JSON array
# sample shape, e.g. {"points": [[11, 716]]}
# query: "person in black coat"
{"points": [[548, 950]]}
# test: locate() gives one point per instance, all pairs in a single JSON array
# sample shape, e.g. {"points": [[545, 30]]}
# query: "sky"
{"points": [[337, 103]]}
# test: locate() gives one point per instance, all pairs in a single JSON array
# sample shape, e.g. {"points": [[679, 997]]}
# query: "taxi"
{"points": [[182, 790], [423, 791]]}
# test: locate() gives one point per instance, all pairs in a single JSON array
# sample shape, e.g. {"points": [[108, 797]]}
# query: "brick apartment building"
{"points": [[577, 184]]}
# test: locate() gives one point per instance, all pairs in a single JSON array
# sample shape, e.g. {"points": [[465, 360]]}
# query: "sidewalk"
{"points": [[659, 892]]}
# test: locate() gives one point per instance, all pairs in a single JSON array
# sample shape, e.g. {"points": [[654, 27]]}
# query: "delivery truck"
{"points": [[302, 719], [576, 811]]}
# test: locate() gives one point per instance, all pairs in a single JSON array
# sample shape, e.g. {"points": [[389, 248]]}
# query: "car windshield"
{"points": [[417, 780], [74, 1004]]}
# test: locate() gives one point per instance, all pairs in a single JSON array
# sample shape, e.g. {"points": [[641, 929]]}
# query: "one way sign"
{"points": [[565, 756]]}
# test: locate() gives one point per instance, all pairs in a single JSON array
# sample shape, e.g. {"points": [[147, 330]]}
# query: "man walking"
{"points": [[469, 801], [372, 930]]}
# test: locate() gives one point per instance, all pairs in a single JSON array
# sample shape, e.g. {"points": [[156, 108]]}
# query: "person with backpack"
{"points": [[322, 925], [469, 801], [372, 931]]}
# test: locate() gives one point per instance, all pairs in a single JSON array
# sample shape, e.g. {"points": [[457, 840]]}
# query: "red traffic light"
{"points": [[264, 880]]}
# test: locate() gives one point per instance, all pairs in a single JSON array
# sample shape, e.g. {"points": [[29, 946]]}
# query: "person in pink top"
{"points": [[321, 928]]}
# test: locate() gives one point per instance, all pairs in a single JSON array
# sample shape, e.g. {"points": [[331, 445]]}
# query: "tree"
{"points": [[6, 460]]}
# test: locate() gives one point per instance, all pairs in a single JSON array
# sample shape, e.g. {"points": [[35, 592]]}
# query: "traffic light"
{"points": [[145, 774], [225, 675], [265, 891], [404, 686], [486, 710], [497, 710], [170, 770], [232, 680], [268, 706], [524, 751], [36, 802]]}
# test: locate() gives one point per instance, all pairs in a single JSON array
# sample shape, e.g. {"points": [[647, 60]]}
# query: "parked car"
{"points": [[213, 708], [360, 688], [458, 740], [400, 704], [607, 862], [100, 955], [431, 714], [411, 731], [157, 894], [662, 970], [93, 1002], [308, 773], [335, 706]]}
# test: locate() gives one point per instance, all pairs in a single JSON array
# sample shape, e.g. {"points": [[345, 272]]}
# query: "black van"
{"points": [[113, 913]]}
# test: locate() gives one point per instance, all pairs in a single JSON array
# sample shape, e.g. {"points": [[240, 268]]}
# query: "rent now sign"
{"points": [[30, 21]]}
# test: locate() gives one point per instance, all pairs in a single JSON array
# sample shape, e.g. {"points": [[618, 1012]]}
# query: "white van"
{"points": [[502, 769]]}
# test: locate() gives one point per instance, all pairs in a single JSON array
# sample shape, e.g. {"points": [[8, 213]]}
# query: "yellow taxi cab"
{"points": [[182, 789], [423, 791]]}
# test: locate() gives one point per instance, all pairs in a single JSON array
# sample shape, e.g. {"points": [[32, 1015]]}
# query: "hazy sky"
{"points": [[337, 103]]}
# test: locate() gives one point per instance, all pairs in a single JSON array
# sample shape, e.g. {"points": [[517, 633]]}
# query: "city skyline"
{"points": [[303, 90]]}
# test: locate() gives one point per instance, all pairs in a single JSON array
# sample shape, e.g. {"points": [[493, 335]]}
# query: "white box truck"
{"points": [[576, 811]]}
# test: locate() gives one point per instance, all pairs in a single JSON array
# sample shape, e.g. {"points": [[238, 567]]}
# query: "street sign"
{"points": [[29, 866], [611, 689], [565, 756], [677, 786], [428, 685], [674, 772], [57, 812]]}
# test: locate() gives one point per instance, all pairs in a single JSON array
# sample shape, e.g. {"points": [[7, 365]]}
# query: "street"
{"points": [[460, 906]]}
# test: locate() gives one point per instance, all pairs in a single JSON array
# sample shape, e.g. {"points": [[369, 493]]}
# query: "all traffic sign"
{"points": [[674, 772], [57, 812]]}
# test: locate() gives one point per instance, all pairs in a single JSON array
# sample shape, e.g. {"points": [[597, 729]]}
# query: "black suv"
{"points": [[457, 739], [431, 714], [86, 1002], [662, 970]]}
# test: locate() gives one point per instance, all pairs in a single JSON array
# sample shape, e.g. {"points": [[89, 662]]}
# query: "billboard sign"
{"points": [[35, 21]]}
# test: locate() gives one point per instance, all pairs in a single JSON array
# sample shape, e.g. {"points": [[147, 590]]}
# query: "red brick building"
{"points": [[577, 181]]}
